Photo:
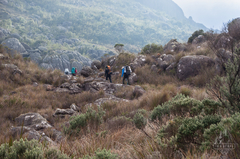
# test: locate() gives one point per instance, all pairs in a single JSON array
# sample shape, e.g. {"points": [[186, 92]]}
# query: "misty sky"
{"points": [[211, 13]]}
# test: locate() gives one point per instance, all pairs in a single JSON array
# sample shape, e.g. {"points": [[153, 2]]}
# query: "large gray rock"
{"points": [[138, 91], [13, 68], [4, 1], [133, 78], [63, 112], [36, 57], [96, 63], [138, 62], [198, 40], [101, 101], [174, 46], [165, 60], [14, 46], [46, 66], [86, 71], [108, 88], [15, 35], [32, 120], [192, 65]]}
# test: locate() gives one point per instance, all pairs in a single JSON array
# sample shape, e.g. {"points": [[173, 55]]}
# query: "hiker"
{"points": [[108, 73], [126, 72], [66, 71], [74, 71]]}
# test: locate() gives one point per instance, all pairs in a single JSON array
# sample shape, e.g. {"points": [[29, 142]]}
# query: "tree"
{"points": [[195, 34], [119, 47]]}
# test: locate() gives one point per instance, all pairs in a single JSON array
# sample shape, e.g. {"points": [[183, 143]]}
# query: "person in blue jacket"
{"points": [[126, 72]]}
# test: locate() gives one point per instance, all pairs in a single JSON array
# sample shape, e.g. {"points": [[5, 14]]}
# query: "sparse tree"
{"points": [[119, 47]]}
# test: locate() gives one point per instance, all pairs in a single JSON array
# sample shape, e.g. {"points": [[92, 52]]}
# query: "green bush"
{"points": [[22, 149], [53, 153], [182, 105], [194, 35], [28, 150], [139, 120], [152, 48], [102, 154], [227, 88], [91, 118], [183, 132]]}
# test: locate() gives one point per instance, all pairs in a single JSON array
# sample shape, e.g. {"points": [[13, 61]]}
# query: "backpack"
{"points": [[109, 70], [128, 72], [73, 70]]}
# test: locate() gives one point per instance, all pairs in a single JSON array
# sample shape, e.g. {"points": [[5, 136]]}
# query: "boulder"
{"points": [[109, 88], [42, 48], [192, 65], [154, 68], [13, 45], [4, 1], [138, 62], [14, 69], [86, 71], [30, 134], [36, 57], [165, 60], [32, 120], [133, 78], [63, 112], [138, 91], [96, 63], [2, 57], [199, 39], [101, 74], [174, 46], [26, 46], [15, 35]]}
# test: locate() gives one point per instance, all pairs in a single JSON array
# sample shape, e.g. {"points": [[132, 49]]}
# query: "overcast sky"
{"points": [[211, 13]]}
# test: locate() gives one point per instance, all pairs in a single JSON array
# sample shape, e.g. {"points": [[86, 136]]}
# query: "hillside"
{"points": [[181, 101], [97, 24]]}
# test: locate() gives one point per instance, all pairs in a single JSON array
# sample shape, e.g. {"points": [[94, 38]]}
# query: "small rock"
{"points": [[138, 91], [35, 84], [63, 112]]}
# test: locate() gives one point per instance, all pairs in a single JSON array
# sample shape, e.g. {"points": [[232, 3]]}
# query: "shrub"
{"points": [[139, 120], [152, 48], [181, 105], [185, 91], [80, 122], [194, 35], [183, 132], [55, 154], [104, 154], [22, 149], [227, 89]]}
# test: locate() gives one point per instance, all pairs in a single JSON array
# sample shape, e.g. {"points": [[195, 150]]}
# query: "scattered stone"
{"points": [[49, 87], [133, 78], [138, 91], [32, 120], [63, 112]]}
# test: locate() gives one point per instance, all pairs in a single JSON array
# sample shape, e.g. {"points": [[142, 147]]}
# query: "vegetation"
{"points": [[195, 34], [152, 48], [132, 24]]}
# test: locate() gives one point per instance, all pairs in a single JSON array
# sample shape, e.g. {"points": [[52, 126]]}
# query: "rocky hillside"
{"points": [[86, 26]]}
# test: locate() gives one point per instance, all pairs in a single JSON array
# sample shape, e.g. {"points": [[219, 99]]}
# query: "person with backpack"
{"points": [[126, 72], [67, 72], [108, 73], [74, 71]]}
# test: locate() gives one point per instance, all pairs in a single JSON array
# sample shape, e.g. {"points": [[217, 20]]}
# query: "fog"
{"points": [[211, 13]]}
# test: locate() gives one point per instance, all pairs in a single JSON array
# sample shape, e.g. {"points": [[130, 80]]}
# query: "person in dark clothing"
{"points": [[126, 72], [108, 73]]}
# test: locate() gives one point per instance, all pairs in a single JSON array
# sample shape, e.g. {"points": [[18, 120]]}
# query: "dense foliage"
{"points": [[195, 34]]}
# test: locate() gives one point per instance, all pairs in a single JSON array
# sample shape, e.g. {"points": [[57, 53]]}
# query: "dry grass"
{"points": [[145, 75]]}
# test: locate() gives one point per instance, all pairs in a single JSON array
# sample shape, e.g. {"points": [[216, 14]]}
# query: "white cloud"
{"points": [[212, 13]]}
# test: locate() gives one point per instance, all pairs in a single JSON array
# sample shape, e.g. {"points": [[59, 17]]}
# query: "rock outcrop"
{"points": [[174, 46], [14, 46], [165, 60], [32, 126], [192, 65], [138, 62]]}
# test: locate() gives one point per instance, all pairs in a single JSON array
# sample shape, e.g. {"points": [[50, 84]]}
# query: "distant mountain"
{"points": [[83, 25]]}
